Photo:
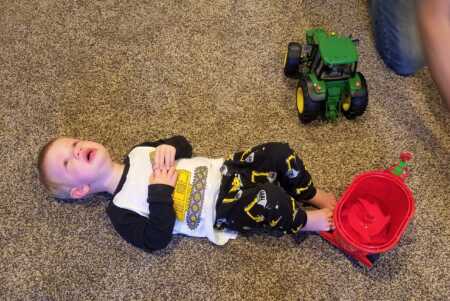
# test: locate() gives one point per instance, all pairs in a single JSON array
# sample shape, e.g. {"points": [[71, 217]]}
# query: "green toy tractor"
{"points": [[328, 81]]}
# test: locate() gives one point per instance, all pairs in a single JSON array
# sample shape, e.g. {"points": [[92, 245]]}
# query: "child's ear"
{"points": [[80, 191]]}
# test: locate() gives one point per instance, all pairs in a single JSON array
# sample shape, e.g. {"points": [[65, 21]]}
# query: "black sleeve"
{"points": [[181, 144], [152, 233]]}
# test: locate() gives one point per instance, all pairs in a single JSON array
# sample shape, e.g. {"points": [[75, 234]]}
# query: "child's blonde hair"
{"points": [[57, 189]]}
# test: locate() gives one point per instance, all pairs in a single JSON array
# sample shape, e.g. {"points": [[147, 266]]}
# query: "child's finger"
{"points": [[172, 157], [157, 159], [153, 176], [163, 156], [163, 172], [170, 171], [173, 177], [168, 161]]}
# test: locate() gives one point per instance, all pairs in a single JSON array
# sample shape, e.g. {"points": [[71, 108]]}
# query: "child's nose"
{"points": [[77, 152]]}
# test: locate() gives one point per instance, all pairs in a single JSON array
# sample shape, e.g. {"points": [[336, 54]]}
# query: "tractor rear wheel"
{"points": [[308, 109], [353, 107], [292, 60]]}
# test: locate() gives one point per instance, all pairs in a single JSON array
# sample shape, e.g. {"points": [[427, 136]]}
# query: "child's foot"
{"points": [[319, 220], [323, 200]]}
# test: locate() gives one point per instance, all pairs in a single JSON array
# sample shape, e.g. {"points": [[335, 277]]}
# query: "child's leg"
{"points": [[269, 206], [276, 161], [319, 220], [279, 160]]}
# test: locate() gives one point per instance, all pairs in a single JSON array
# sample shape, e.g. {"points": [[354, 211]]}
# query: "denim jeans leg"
{"points": [[396, 34]]}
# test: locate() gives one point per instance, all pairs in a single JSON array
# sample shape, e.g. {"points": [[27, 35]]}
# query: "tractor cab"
{"points": [[334, 72], [333, 57]]}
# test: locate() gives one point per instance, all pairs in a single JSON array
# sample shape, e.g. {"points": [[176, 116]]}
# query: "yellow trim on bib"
{"points": [[181, 194]]}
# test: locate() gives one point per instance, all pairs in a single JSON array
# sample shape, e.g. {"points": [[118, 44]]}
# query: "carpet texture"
{"points": [[123, 72]]}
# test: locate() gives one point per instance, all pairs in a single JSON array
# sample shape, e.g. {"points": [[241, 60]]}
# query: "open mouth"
{"points": [[90, 155]]}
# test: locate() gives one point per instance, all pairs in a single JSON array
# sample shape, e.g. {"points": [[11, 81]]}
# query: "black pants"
{"points": [[261, 188]]}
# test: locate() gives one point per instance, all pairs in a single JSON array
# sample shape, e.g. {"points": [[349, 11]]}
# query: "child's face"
{"points": [[76, 162]]}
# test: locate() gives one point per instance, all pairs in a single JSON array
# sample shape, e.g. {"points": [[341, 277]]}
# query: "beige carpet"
{"points": [[123, 72]]}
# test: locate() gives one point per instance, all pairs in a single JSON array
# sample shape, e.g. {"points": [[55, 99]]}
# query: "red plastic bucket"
{"points": [[372, 214]]}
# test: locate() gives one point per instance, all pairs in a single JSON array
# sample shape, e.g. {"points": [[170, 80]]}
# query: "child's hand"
{"points": [[164, 176], [164, 157]]}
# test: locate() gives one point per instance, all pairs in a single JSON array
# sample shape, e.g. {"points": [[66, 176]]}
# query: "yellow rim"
{"points": [[285, 59], [346, 103], [300, 100]]}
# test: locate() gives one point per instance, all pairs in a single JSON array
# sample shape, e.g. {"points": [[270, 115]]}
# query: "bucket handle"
{"points": [[402, 169]]}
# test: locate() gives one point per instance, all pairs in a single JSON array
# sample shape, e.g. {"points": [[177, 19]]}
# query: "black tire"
{"points": [[358, 104], [292, 60], [308, 109]]}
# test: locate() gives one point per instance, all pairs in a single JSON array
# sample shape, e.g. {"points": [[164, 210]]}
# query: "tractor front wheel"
{"points": [[308, 109]]}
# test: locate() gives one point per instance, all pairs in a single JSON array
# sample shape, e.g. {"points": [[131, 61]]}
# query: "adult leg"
{"points": [[396, 34]]}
